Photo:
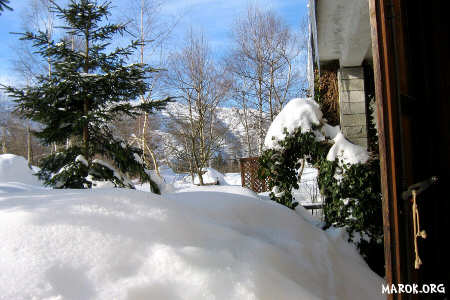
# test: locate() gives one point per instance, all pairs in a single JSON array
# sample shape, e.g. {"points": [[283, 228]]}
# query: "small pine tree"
{"points": [[85, 91]]}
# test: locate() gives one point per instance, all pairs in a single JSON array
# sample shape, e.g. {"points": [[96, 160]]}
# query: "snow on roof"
{"points": [[298, 113], [126, 244]]}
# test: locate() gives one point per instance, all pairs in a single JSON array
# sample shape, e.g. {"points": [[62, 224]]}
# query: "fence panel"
{"points": [[249, 175]]}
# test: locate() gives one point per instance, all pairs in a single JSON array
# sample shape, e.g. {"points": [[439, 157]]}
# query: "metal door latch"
{"points": [[419, 187]]}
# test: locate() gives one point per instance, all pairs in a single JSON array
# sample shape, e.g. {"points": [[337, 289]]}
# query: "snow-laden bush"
{"points": [[348, 178], [70, 169]]}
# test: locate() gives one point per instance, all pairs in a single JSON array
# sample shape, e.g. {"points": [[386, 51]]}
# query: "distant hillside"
{"points": [[228, 118]]}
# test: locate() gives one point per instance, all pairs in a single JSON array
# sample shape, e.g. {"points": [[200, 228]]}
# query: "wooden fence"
{"points": [[249, 175]]}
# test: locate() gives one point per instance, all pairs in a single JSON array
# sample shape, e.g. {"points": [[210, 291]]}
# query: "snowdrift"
{"points": [[168, 174], [14, 168], [127, 244], [211, 176], [15, 175], [233, 178]]}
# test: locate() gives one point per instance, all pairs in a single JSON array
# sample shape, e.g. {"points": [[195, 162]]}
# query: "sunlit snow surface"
{"points": [[215, 242]]}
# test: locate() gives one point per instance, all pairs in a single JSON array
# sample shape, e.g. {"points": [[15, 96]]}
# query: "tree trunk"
{"points": [[260, 126], [72, 41], [192, 176], [191, 166], [200, 177], [300, 173], [260, 110], [270, 92], [246, 126], [155, 163], [144, 145], [4, 148], [86, 102], [29, 147]]}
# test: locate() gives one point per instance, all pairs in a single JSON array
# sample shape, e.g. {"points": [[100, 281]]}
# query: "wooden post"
{"points": [[388, 66], [242, 166]]}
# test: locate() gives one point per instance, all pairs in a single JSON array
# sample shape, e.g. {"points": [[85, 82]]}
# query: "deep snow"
{"points": [[213, 242], [124, 244], [14, 168], [16, 176], [211, 176]]}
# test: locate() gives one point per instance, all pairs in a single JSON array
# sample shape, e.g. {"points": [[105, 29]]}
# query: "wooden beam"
{"points": [[386, 90]]}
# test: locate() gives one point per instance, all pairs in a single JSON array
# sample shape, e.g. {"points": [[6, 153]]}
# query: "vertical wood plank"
{"points": [[386, 79]]}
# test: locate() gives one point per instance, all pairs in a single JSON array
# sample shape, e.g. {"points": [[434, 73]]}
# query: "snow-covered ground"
{"points": [[211, 176], [233, 178], [16, 176], [213, 242], [308, 191]]}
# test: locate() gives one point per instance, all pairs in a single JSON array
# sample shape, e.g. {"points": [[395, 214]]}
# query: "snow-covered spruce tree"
{"points": [[85, 91]]}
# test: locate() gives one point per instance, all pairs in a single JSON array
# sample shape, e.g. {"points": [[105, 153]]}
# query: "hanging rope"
{"points": [[417, 232]]}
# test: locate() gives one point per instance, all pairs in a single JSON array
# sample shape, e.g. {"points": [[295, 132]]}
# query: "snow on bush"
{"points": [[347, 152], [126, 244], [298, 113], [211, 176], [330, 131], [305, 113], [14, 168], [348, 179]]}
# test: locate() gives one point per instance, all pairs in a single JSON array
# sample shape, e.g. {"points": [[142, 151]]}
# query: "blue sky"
{"points": [[212, 17]]}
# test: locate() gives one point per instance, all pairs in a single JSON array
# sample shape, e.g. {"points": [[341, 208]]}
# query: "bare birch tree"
{"points": [[201, 86], [37, 17], [3, 123], [144, 22], [246, 114], [263, 62]]}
